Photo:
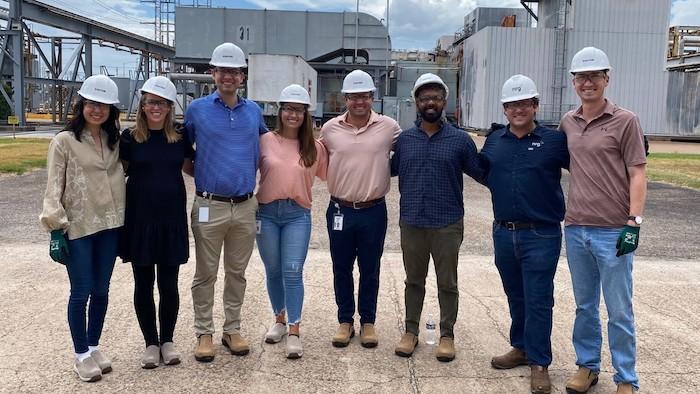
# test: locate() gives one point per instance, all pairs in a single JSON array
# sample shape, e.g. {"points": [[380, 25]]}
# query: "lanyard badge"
{"points": [[203, 216], [337, 219]]}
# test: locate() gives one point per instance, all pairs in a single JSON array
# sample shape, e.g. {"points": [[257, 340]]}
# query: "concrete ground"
{"points": [[36, 352]]}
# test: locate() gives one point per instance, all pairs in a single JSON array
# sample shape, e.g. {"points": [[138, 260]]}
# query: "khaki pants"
{"points": [[233, 226], [418, 244]]}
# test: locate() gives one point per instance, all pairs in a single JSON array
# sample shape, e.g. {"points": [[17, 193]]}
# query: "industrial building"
{"points": [[632, 32]]}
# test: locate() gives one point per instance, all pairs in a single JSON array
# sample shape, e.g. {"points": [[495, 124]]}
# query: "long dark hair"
{"points": [[111, 125], [307, 144]]}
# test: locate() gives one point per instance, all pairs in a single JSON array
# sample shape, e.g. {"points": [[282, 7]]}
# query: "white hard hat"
{"points": [[228, 55], [518, 87], [160, 86], [100, 88], [294, 94], [426, 79], [358, 81], [589, 59]]}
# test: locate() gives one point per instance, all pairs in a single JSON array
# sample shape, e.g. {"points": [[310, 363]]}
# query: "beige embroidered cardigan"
{"points": [[85, 191]]}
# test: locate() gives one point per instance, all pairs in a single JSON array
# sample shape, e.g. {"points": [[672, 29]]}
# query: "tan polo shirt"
{"points": [[358, 159], [85, 192], [601, 151]]}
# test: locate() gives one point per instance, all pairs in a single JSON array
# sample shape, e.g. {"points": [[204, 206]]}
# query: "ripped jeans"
{"points": [[283, 241]]}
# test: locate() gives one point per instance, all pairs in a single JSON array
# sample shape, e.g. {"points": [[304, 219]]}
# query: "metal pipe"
{"points": [[190, 77], [357, 28], [388, 52]]}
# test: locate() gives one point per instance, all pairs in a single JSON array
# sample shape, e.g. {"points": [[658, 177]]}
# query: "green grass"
{"points": [[19, 155], [681, 169]]}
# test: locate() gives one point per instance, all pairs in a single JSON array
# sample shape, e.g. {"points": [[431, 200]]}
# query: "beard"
{"points": [[431, 117]]}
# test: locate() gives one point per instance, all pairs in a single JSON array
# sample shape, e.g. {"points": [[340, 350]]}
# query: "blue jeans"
{"points": [[89, 266], [592, 263], [527, 261], [283, 241], [362, 237]]}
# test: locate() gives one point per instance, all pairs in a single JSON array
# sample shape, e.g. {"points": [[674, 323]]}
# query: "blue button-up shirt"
{"points": [[430, 174], [524, 175], [227, 144]]}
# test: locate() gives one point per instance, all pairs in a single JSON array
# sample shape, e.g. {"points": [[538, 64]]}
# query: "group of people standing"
{"points": [[94, 215]]}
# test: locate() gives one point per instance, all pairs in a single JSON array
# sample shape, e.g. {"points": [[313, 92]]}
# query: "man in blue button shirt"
{"points": [[430, 159], [226, 130], [522, 166]]}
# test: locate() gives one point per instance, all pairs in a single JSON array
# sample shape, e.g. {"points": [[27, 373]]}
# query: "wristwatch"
{"points": [[637, 219]]}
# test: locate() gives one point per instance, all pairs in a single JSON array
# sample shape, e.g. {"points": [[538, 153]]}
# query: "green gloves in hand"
{"points": [[628, 240], [58, 247]]}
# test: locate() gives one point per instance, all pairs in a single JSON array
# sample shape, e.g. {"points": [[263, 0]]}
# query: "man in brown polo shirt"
{"points": [[607, 191]]}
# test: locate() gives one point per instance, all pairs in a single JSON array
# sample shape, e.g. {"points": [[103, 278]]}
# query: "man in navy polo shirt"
{"points": [[430, 159], [226, 131], [522, 163]]}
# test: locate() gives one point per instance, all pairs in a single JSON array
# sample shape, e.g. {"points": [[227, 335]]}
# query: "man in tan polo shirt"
{"points": [[607, 191], [359, 143]]}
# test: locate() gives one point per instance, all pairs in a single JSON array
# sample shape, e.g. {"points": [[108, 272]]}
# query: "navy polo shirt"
{"points": [[430, 174], [524, 175], [227, 144]]}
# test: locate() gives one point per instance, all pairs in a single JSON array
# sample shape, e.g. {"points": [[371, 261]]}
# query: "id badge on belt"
{"points": [[203, 216], [337, 219]]}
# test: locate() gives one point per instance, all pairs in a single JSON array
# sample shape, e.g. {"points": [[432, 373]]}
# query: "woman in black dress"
{"points": [[154, 154]]}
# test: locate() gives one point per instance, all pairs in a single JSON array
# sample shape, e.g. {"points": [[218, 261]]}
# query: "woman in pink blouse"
{"points": [[290, 159]]}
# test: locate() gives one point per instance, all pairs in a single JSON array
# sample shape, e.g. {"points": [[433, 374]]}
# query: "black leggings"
{"points": [[144, 277]]}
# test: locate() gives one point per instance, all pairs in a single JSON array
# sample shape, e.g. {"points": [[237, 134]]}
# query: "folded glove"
{"points": [[58, 247], [628, 240]]}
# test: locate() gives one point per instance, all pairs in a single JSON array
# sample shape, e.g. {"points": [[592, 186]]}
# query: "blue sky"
{"points": [[409, 27]]}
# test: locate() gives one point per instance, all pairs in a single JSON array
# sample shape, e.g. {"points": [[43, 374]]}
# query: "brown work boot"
{"points": [[406, 345], [446, 349], [582, 381], [514, 358], [625, 388], [343, 335], [236, 344], [368, 335], [539, 380], [204, 352]]}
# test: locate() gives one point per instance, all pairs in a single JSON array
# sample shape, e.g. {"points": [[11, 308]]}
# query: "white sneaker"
{"points": [[275, 333], [87, 370], [294, 348], [151, 357]]}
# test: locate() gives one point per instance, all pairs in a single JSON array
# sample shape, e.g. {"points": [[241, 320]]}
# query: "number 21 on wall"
{"points": [[244, 33]]}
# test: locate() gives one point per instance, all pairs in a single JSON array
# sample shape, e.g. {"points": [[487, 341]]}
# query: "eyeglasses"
{"points": [[95, 105], [522, 104], [294, 110], [595, 77], [229, 71], [359, 96], [427, 99], [156, 103]]}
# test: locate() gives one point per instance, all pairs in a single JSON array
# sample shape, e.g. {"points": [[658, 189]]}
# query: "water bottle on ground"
{"points": [[430, 331]]}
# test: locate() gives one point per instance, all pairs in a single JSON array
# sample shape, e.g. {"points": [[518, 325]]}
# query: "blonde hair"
{"points": [[140, 131]]}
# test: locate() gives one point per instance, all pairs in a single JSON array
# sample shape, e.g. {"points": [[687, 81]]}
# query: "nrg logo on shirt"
{"points": [[537, 144]]}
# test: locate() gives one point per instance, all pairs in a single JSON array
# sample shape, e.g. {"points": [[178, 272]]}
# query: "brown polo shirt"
{"points": [[601, 150]]}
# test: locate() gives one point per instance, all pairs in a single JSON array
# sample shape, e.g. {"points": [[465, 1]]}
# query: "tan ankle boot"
{"points": [[236, 344], [204, 352], [343, 335], [625, 388], [407, 345], [368, 336], [514, 358], [446, 349], [582, 381]]}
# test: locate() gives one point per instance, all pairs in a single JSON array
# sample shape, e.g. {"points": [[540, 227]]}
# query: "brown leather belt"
{"points": [[232, 200], [357, 205]]}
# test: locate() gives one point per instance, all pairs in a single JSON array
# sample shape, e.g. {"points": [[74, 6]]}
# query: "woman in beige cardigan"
{"points": [[83, 209]]}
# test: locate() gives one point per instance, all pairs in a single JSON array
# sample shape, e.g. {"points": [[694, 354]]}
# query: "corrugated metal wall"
{"points": [[683, 104], [307, 34], [632, 33], [491, 57]]}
